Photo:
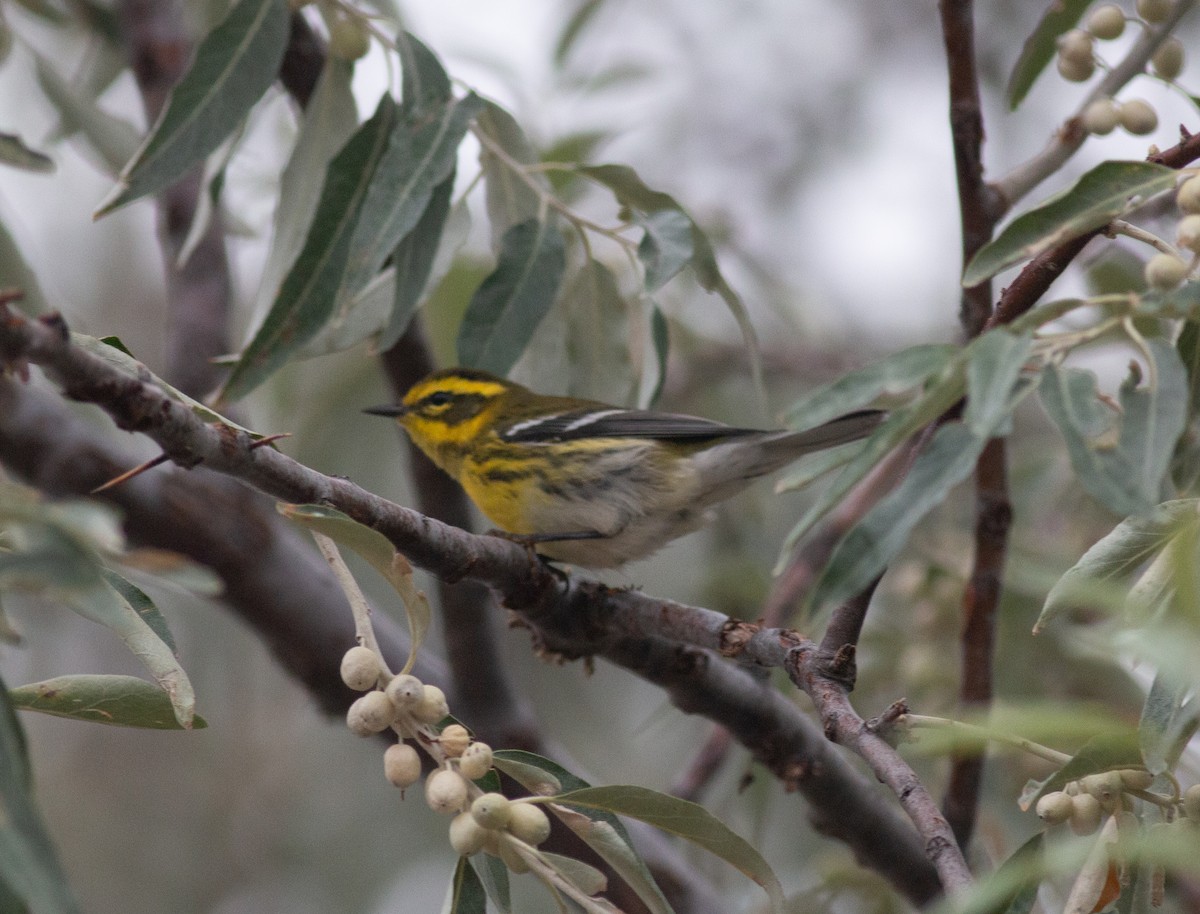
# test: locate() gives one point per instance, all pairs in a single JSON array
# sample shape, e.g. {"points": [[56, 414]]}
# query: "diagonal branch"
{"points": [[575, 617]]}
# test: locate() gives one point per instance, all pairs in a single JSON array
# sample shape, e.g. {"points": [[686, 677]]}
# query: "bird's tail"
{"points": [[729, 466]]}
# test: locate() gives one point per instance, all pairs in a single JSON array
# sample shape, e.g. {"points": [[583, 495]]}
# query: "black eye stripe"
{"points": [[438, 398]]}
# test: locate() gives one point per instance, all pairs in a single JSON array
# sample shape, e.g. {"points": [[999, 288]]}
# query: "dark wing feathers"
{"points": [[635, 423], [619, 423]]}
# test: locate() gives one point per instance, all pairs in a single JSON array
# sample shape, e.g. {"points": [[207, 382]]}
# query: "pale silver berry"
{"points": [[1164, 272], [1106, 22], [1076, 46], [1075, 71], [1101, 117], [491, 810], [466, 835], [476, 761], [1188, 233], [446, 791], [1187, 198], [528, 822], [454, 740], [1054, 808], [1168, 59], [402, 765], [1138, 117], [1191, 802], [1154, 10], [432, 706], [1085, 814], [371, 713], [405, 691], [360, 668]]}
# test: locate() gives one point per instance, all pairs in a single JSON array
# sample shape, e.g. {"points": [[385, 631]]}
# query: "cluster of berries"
{"points": [[1076, 62], [1083, 804], [1165, 271], [508, 829]]}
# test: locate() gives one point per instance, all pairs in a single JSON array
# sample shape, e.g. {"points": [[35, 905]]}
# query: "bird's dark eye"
{"points": [[440, 398]]}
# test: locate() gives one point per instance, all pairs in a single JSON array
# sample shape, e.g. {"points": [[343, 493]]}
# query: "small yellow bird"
{"points": [[593, 484]]}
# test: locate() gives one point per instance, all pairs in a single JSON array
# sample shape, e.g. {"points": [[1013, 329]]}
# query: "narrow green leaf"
{"points": [[19, 275], [597, 336], [665, 243], [326, 124], [1153, 418], [1131, 544], [1040, 47], [871, 545], [996, 361], [1163, 720], [666, 248], [599, 829], [813, 466], [583, 876], [510, 199], [899, 425], [1185, 462], [29, 867], [538, 775], [105, 605], [113, 139], [379, 553], [13, 151], [493, 874], [308, 295], [117, 356], [1127, 475], [683, 818], [421, 154], [1101, 195], [413, 260], [574, 27], [120, 701], [1023, 871], [142, 605], [8, 633], [234, 66], [467, 894], [510, 303], [660, 336], [899, 373], [426, 86]]}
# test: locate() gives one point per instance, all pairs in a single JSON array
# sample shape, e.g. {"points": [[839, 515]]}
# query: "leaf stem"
{"points": [[984, 735]]}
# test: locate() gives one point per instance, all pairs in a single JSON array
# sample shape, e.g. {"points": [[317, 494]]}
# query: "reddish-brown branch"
{"points": [[979, 206], [979, 209]]}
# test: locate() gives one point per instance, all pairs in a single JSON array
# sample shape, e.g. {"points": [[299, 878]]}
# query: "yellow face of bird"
{"points": [[448, 410]]}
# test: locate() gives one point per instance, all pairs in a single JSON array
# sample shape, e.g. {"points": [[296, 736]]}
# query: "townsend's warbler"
{"points": [[592, 484]]}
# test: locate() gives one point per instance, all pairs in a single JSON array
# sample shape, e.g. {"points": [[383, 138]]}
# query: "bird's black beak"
{"points": [[389, 410]]}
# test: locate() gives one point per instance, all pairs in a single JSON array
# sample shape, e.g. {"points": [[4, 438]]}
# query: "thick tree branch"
{"points": [[575, 617]]}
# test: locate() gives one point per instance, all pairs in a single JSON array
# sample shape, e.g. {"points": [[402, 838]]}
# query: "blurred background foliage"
{"points": [[809, 140]]}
